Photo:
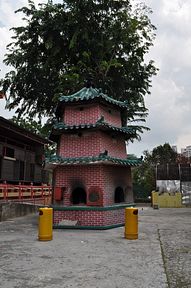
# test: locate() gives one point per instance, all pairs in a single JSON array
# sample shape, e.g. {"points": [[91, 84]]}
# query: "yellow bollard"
{"points": [[45, 224], [131, 223]]}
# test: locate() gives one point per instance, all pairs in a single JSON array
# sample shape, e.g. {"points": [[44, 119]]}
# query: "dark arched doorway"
{"points": [[119, 195], [78, 196]]}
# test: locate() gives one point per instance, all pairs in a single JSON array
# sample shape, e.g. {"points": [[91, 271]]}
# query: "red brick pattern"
{"points": [[91, 144], [111, 115], [83, 114], [72, 177], [105, 177], [116, 176], [91, 218]]}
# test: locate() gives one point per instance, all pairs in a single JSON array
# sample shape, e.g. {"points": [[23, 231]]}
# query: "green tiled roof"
{"points": [[59, 127], [58, 160], [89, 94]]}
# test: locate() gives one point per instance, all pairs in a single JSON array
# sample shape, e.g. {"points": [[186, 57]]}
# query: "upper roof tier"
{"points": [[90, 95]]}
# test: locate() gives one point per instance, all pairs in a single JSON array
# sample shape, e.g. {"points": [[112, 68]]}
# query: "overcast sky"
{"points": [[170, 100]]}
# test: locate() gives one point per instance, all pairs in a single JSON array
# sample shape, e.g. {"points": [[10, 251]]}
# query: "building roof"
{"points": [[90, 94], [104, 159], [7, 126], [59, 127]]}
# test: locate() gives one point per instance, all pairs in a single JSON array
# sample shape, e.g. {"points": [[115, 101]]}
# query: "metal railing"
{"points": [[21, 193]]}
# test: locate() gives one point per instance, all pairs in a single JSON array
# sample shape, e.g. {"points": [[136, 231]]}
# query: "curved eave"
{"points": [[60, 128], [89, 95], [55, 161]]}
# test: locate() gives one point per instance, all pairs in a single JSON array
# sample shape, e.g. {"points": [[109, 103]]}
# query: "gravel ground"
{"points": [[160, 258]]}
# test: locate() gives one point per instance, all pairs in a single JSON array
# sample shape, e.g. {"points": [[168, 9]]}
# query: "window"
{"points": [[9, 152], [32, 168], [21, 170]]}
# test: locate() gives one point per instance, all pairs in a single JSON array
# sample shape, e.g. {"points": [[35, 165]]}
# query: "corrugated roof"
{"points": [[10, 126]]}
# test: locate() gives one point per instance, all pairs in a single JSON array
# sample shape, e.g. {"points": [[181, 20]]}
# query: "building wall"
{"points": [[72, 177], [24, 165], [91, 144], [116, 176], [111, 115], [106, 177], [98, 177], [79, 114], [91, 218]]}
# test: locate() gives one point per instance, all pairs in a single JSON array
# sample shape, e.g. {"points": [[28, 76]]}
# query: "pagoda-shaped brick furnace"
{"points": [[92, 173]]}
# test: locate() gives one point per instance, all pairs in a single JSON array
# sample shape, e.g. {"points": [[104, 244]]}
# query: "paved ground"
{"points": [[160, 258]]}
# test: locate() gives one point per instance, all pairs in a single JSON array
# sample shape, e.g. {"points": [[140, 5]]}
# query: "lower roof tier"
{"points": [[56, 160], [60, 128]]}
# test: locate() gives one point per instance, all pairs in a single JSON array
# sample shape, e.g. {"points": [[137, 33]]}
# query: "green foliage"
{"points": [[163, 154], [145, 175], [37, 128], [61, 45], [33, 125]]}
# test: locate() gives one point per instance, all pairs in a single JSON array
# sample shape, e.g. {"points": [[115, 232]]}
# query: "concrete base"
{"points": [[90, 217], [11, 210]]}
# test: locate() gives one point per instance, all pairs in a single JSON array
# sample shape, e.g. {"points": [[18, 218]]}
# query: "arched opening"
{"points": [[119, 195], [78, 196]]}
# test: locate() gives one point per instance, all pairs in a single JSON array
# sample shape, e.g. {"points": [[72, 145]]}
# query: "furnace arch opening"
{"points": [[119, 195], [79, 196]]}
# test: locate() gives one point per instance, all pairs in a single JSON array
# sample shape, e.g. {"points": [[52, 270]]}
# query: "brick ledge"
{"points": [[88, 227], [88, 208]]}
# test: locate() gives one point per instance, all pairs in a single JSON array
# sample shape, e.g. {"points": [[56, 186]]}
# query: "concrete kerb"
{"points": [[10, 210]]}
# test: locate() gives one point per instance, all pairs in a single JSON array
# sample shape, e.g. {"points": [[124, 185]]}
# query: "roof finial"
{"points": [[89, 82]]}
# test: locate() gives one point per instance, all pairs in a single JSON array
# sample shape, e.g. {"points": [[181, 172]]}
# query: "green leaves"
{"points": [[144, 175], [63, 44]]}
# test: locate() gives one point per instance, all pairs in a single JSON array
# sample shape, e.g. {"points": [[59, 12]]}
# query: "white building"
{"points": [[186, 152]]}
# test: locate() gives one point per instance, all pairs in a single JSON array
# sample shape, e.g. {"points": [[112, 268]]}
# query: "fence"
{"points": [[25, 193], [175, 178]]}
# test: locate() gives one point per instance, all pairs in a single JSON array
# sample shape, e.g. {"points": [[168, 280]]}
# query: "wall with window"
{"points": [[21, 162]]}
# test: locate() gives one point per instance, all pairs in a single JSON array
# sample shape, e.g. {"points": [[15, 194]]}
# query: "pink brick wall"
{"points": [[111, 115], [72, 177], [116, 176], [107, 177], [91, 144], [74, 116], [92, 218], [90, 114]]}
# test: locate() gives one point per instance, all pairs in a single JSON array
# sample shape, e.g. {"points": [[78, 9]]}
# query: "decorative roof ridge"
{"points": [[102, 157], [91, 93], [61, 125]]}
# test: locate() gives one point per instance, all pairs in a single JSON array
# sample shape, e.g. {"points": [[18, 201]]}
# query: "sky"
{"points": [[169, 104]]}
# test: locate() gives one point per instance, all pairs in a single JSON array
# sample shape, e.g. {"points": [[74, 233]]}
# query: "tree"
{"points": [[144, 180], [32, 125], [163, 154], [144, 176], [37, 128], [62, 45]]}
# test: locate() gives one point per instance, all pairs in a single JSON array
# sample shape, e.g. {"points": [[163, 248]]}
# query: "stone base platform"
{"points": [[84, 217]]}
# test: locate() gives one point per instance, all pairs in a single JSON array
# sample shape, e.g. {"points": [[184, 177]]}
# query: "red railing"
{"points": [[25, 192]]}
